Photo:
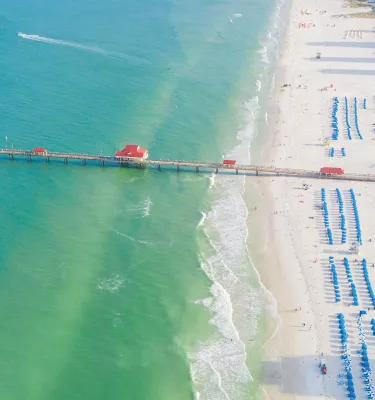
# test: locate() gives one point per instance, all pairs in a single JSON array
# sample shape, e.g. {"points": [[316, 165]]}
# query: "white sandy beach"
{"points": [[294, 257]]}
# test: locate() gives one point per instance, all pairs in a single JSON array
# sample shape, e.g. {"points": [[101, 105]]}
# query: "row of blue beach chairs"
{"points": [[366, 369], [335, 279], [356, 215], [346, 356], [342, 216], [373, 326], [347, 118], [335, 122], [368, 282], [332, 152], [352, 284], [356, 118], [326, 217]]}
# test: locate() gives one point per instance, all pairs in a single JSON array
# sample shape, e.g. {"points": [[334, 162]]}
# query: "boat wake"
{"points": [[38, 38], [167, 245], [98, 50], [130, 237]]}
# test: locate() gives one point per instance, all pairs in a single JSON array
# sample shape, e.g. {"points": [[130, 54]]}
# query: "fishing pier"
{"points": [[122, 158]]}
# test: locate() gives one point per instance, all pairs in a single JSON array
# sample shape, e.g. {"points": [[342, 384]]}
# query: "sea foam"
{"points": [[219, 366], [263, 51], [259, 85]]}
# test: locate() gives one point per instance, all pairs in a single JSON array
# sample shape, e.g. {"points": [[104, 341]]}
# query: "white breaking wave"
{"points": [[251, 109], [147, 207], [259, 85], [201, 222], [144, 208], [272, 84], [212, 181], [263, 51], [269, 35], [92, 49], [238, 15], [111, 285], [219, 365], [219, 369]]}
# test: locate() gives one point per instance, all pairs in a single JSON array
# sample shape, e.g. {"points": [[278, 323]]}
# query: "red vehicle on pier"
{"points": [[331, 171]]}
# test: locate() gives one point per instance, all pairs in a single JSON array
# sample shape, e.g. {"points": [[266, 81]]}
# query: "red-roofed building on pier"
{"points": [[132, 153], [40, 150]]}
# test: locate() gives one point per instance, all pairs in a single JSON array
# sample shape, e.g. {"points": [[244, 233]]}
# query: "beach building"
{"points": [[132, 153]]}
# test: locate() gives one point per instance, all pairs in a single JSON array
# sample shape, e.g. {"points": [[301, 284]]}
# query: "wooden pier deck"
{"points": [[258, 170]]}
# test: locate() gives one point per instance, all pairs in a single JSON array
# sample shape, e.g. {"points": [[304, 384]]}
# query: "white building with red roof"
{"points": [[132, 153]]}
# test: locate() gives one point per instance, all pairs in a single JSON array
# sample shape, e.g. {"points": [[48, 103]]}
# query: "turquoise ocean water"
{"points": [[120, 283]]}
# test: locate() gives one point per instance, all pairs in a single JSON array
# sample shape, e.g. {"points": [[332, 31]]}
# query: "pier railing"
{"points": [[243, 168]]}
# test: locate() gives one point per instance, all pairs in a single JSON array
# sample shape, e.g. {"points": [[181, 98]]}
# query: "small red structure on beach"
{"points": [[132, 152], [40, 150], [331, 171], [229, 162]]}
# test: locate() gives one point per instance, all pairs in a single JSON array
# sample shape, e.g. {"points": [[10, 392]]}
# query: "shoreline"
{"points": [[292, 255]]}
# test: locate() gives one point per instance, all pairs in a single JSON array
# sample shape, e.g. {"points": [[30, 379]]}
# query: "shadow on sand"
{"points": [[348, 72], [361, 45], [301, 376], [344, 59]]}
